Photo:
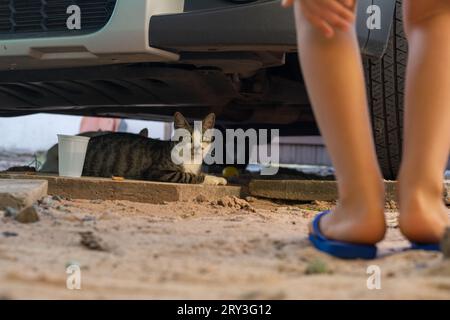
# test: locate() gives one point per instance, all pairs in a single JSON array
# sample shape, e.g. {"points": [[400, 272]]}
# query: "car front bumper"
{"points": [[159, 30], [123, 39]]}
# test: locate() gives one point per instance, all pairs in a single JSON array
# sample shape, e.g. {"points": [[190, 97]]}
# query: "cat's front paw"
{"points": [[215, 181]]}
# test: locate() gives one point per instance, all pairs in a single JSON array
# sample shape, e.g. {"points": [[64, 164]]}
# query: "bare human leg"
{"points": [[333, 72], [423, 214]]}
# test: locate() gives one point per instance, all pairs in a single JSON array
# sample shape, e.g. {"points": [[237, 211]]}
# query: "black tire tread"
{"points": [[385, 80]]}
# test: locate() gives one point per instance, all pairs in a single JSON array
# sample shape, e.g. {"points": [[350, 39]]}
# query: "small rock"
{"points": [[8, 234], [63, 209], [97, 201], [88, 218], [10, 212], [250, 199], [28, 215], [201, 198], [445, 244], [317, 266], [390, 274], [47, 201], [57, 198], [224, 202], [91, 241], [235, 203], [279, 245], [187, 215]]}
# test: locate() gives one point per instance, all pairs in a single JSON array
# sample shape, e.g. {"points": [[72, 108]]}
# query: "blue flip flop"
{"points": [[340, 249], [425, 246]]}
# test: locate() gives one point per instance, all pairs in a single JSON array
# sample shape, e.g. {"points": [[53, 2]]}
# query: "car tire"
{"points": [[385, 80]]}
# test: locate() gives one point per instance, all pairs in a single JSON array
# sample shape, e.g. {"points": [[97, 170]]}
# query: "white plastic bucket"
{"points": [[71, 154]]}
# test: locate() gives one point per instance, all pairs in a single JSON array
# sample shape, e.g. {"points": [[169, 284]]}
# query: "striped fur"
{"points": [[136, 157]]}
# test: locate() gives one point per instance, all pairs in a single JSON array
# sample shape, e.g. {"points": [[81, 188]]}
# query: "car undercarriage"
{"points": [[234, 58]]}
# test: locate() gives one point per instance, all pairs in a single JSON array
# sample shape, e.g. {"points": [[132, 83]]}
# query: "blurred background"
{"points": [[21, 138], [25, 140]]}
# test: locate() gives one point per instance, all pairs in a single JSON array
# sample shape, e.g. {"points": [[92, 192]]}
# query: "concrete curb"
{"points": [[21, 193], [294, 189], [308, 190], [131, 190]]}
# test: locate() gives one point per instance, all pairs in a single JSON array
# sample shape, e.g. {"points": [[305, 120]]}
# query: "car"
{"points": [[146, 59]]}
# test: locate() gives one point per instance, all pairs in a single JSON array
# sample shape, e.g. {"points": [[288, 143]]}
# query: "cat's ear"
{"points": [[144, 132], [209, 122], [180, 122]]}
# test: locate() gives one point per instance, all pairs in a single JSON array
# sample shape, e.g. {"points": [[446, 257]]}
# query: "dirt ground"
{"points": [[199, 249]]}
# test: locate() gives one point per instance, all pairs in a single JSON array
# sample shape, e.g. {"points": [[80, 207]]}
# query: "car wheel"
{"points": [[385, 80]]}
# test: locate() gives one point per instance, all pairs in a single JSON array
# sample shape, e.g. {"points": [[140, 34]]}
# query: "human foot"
{"points": [[354, 224], [423, 218]]}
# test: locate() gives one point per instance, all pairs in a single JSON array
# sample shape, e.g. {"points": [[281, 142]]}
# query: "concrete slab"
{"points": [[302, 190], [19, 194], [308, 190], [131, 190]]}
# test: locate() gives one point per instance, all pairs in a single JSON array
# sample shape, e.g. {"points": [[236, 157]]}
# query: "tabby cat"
{"points": [[137, 157]]}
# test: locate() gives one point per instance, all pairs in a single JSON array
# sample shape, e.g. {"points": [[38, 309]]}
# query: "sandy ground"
{"points": [[199, 249]]}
